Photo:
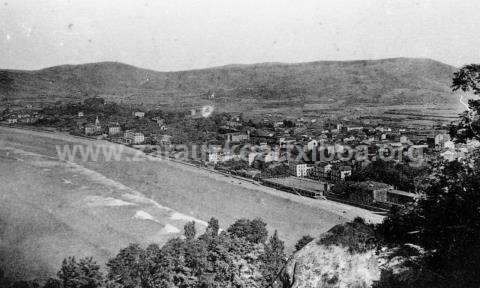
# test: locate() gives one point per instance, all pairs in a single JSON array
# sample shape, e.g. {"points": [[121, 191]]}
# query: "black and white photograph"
{"points": [[239, 144]]}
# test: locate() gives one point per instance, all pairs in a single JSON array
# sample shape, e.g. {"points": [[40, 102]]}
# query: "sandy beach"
{"points": [[94, 208]]}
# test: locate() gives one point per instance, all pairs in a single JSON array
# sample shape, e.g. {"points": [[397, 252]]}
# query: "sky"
{"points": [[176, 35]]}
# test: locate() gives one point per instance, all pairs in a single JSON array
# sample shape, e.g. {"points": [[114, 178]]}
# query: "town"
{"points": [[359, 162]]}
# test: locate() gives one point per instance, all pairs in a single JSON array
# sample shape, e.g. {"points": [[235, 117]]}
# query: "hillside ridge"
{"points": [[269, 85]]}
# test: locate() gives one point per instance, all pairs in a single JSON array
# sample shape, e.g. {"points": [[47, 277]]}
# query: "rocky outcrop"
{"points": [[346, 256]]}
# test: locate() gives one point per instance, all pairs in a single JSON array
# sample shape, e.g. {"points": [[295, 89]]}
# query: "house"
{"points": [[311, 145], [355, 128], [395, 197], [233, 124], [165, 139], [340, 173], [378, 189], [299, 169], [80, 123], [214, 154], [139, 114], [320, 171], [80, 114], [449, 155], [237, 137], [160, 122], [28, 120], [349, 139], [114, 129], [93, 128], [441, 139], [449, 144], [133, 137], [12, 120], [252, 156]]}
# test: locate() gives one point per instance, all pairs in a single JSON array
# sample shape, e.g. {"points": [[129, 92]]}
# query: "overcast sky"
{"points": [[181, 35]]}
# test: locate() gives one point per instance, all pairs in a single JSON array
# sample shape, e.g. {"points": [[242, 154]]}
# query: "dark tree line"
{"points": [[444, 226], [242, 256]]}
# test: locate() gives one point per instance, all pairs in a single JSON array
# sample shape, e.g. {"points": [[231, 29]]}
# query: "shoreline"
{"points": [[346, 211]]}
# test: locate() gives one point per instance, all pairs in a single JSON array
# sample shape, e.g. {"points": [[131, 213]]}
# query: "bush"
{"points": [[303, 242]]}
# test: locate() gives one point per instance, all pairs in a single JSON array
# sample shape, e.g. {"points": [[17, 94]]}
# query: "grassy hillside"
{"points": [[268, 86]]}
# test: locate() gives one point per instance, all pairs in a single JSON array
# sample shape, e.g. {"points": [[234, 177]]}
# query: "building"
{"points": [[12, 120], [311, 145], [440, 140], [320, 171], [28, 120], [251, 157], [237, 137], [114, 129], [214, 154], [165, 139], [299, 169], [80, 114], [393, 197], [340, 173], [91, 129], [449, 144], [139, 114], [133, 137], [355, 128]]}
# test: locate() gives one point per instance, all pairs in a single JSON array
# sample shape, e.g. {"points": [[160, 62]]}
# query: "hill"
{"points": [[260, 87]]}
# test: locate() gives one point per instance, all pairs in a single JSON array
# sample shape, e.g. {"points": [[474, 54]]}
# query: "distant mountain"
{"points": [[266, 86]]}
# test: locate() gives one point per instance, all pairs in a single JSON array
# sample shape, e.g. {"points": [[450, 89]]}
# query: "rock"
{"points": [[345, 256]]}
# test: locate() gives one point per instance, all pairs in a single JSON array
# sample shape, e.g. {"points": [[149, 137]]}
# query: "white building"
{"points": [[114, 130], [139, 114], [12, 120], [449, 145], [214, 154], [134, 137], [312, 144], [299, 169]]}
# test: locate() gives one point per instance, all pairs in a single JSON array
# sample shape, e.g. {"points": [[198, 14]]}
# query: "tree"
{"points": [[273, 258], [129, 268], [84, 273], [303, 242], [52, 283], [254, 231], [189, 231], [467, 79], [213, 227]]}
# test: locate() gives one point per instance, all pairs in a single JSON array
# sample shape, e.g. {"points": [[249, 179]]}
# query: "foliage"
{"points": [[401, 176], [357, 236], [303, 242], [253, 231], [273, 259], [83, 273], [467, 79], [189, 231], [276, 170], [239, 258], [446, 223]]}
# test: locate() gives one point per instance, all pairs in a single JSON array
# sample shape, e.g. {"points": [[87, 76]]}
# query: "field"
{"points": [[51, 209]]}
